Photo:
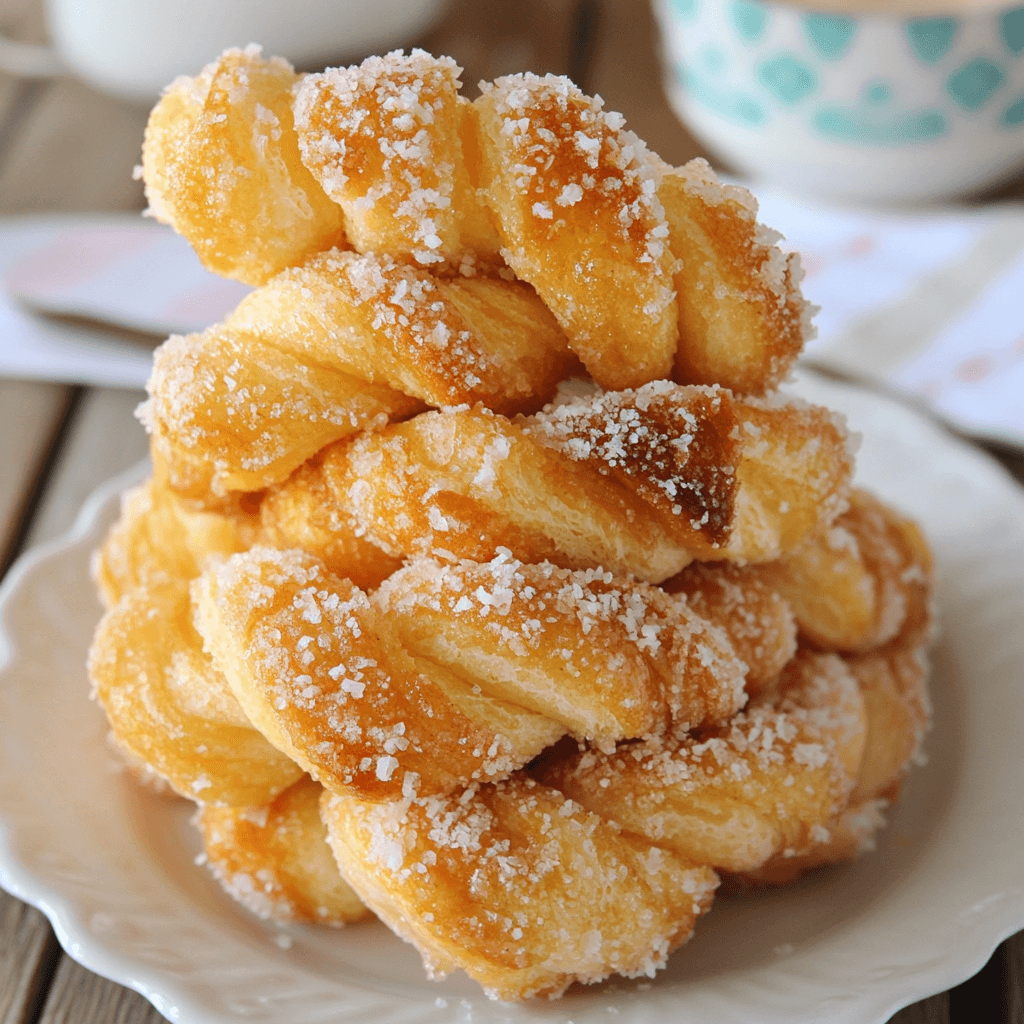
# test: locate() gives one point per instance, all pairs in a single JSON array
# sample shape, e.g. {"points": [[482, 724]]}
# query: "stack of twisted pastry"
{"points": [[485, 580]]}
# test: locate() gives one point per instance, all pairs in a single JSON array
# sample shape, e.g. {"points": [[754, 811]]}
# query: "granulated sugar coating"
{"points": [[483, 561], [366, 693], [577, 199], [384, 139], [521, 888]]}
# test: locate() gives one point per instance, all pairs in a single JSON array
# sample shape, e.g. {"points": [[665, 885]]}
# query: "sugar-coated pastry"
{"points": [[853, 583], [443, 341], [483, 564], [303, 515], [225, 415], [157, 533], [343, 343], [172, 709], [387, 140], [765, 783], [221, 165], [518, 886], [893, 680], [608, 657], [636, 482], [757, 619], [576, 198], [275, 859], [651, 271], [893, 683], [369, 698], [742, 318]]}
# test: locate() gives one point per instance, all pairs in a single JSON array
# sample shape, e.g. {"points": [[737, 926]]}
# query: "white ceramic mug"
{"points": [[879, 106], [133, 48]]}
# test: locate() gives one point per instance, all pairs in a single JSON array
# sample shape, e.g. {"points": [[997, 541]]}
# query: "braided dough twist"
{"points": [[637, 482], [371, 697], [341, 344]]}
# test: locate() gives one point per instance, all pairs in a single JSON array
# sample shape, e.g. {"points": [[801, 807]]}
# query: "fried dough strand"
{"points": [[385, 140], [158, 534], [637, 482], [742, 318], [221, 165], [521, 888], [367, 696], [854, 582], [575, 196], [651, 271], [768, 781], [172, 709], [341, 344], [758, 621], [275, 860]]}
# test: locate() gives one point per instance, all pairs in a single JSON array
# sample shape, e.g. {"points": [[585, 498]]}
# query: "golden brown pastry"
{"points": [[387, 140], [853, 583], [367, 556], [343, 343], [275, 859], [157, 533], [303, 515], [172, 709], [742, 318], [368, 696], [758, 621], [575, 196], [635, 482], [652, 272], [221, 165], [517, 885], [767, 783]]}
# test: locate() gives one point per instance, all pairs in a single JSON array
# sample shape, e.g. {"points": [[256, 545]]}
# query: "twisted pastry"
{"points": [[768, 781], [388, 140], [758, 621], [893, 684], [275, 860], [647, 270], [221, 165], [170, 708], [853, 583], [372, 696], [520, 887], [157, 534], [341, 344], [637, 482]]}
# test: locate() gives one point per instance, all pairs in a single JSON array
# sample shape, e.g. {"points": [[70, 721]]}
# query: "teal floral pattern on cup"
{"points": [[931, 38], [829, 35], [775, 86], [973, 85]]}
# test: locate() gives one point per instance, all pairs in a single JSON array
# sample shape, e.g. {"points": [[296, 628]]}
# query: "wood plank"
{"points": [[25, 977], [103, 440], [934, 1010], [75, 152], [30, 413], [1014, 981], [78, 996], [627, 73], [489, 38]]}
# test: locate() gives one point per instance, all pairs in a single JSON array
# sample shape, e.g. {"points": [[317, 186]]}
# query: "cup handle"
{"points": [[29, 60]]}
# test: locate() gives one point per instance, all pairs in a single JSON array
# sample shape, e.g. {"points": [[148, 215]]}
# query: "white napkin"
{"points": [[928, 302], [123, 269]]}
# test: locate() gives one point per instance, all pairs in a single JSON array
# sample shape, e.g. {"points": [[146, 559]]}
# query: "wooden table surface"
{"points": [[64, 147]]}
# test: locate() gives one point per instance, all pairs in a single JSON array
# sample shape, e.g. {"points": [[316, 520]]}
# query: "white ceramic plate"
{"points": [[112, 866]]}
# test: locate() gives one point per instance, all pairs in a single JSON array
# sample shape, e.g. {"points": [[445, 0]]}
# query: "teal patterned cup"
{"points": [[871, 107]]}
